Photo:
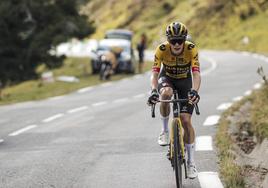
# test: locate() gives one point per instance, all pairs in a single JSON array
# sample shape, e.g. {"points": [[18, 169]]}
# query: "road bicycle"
{"points": [[176, 152], [105, 68]]}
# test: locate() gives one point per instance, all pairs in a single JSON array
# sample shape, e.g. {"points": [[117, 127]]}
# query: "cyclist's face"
{"points": [[176, 44], [176, 48]]}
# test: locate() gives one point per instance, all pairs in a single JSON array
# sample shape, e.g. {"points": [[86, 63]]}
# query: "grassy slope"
{"points": [[218, 29], [149, 16], [36, 90], [230, 172], [225, 30]]}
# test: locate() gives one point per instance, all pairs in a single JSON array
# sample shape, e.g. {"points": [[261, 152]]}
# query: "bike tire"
{"points": [[177, 161], [102, 71]]}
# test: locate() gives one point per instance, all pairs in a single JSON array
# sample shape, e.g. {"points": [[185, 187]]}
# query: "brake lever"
{"points": [[153, 110], [197, 109]]}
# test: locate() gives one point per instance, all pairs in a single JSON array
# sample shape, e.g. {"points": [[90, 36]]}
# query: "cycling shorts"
{"points": [[183, 86]]}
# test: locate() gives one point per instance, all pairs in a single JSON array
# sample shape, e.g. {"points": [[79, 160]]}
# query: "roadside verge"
{"points": [[242, 142]]}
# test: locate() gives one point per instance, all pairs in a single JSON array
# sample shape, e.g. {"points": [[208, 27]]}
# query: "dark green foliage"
{"points": [[167, 7], [30, 28]]}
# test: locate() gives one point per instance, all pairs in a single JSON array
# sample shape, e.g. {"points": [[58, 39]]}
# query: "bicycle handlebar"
{"points": [[174, 101]]}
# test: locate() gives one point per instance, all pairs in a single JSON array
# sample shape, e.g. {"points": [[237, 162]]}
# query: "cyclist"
{"points": [[180, 71], [112, 56]]}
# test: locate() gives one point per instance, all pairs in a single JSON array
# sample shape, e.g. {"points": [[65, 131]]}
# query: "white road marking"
{"points": [[52, 118], [1, 140], [86, 89], [203, 143], [139, 96], [257, 56], [262, 57], [237, 98], [106, 84], [99, 103], [22, 130], [224, 106], [56, 98], [120, 100], [209, 180], [247, 93], [211, 120], [213, 66], [77, 109], [257, 86]]}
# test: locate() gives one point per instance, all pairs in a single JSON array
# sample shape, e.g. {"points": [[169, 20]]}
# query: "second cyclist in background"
{"points": [[180, 71], [109, 62]]}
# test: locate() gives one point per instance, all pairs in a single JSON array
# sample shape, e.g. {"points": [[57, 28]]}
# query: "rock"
{"points": [[47, 77], [67, 79], [244, 135], [260, 153]]}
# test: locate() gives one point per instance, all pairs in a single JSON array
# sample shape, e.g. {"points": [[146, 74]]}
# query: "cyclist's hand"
{"points": [[154, 97], [193, 97]]}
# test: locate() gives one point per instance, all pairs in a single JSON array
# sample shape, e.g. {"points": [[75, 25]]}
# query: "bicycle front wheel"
{"points": [[176, 157]]}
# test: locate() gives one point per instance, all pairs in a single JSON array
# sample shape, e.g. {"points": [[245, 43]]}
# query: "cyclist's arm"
{"points": [[156, 69], [195, 69], [196, 80], [154, 80]]}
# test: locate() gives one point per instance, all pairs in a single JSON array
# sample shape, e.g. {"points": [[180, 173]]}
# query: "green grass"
{"points": [[230, 36], [36, 90]]}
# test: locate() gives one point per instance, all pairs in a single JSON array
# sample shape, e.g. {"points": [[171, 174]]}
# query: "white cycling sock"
{"points": [[165, 123], [190, 153]]}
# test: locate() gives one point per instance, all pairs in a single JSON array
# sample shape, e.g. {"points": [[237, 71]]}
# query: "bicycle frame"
{"points": [[177, 122]]}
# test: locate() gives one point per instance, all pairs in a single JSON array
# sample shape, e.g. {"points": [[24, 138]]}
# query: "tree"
{"points": [[30, 28]]}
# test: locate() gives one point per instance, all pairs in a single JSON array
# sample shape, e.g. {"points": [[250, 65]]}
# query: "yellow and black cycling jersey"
{"points": [[176, 66]]}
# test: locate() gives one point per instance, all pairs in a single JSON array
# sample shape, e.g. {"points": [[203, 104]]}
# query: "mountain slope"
{"points": [[212, 23]]}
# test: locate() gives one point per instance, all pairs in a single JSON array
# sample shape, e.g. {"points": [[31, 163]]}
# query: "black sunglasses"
{"points": [[176, 40]]}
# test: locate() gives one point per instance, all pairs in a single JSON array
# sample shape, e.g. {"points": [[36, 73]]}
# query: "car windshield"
{"points": [[105, 47], [118, 36]]}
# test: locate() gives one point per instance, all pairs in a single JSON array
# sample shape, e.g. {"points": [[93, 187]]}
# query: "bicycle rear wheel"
{"points": [[176, 156]]}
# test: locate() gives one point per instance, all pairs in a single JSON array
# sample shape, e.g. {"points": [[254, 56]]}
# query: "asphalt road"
{"points": [[103, 136]]}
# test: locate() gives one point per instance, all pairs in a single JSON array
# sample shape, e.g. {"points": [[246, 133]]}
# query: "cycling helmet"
{"points": [[176, 30]]}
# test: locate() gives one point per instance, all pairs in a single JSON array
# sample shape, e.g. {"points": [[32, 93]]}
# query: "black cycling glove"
{"points": [[194, 96], [153, 97]]}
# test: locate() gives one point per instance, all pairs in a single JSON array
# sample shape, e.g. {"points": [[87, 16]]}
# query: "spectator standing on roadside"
{"points": [[141, 47]]}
